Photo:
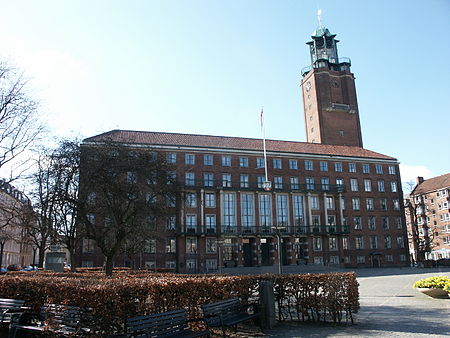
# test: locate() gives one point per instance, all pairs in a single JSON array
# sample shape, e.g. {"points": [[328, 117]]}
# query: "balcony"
{"points": [[276, 187], [269, 231]]}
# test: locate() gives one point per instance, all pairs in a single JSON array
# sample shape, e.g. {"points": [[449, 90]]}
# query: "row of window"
{"points": [[360, 243], [277, 163], [334, 260]]}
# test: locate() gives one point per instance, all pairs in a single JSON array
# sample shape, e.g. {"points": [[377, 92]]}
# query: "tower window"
{"points": [[341, 133]]}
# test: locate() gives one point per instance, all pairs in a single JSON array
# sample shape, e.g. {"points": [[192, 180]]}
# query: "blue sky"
{"points": [[207, 67]]}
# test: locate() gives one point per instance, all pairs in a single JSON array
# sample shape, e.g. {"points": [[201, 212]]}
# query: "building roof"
{"points": [[432, 184], [232, 143]]}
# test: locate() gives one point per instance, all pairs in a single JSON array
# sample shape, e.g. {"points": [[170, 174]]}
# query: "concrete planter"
{"points": [[435, 293]]}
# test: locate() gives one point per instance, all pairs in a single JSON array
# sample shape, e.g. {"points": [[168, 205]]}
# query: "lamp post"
{"points": [[278, 229], [219, 251], [34, 247]]}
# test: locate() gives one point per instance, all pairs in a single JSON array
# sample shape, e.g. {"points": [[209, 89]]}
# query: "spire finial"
{"points": [[319, 17]]}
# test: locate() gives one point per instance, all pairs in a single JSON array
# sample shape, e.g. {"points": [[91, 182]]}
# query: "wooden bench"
{"points": [[8, 307], [227, 313], [57, 318], [166, 324]]}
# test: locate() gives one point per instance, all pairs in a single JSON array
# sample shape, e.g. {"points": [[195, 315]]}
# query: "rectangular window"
{"points": [[278, 182], [211, 264], [360, 259], [338, 167], [88, 245], [226, 180], [294, 183], [260, 180], [314, 202], [331, 220], [171, 222], [373, 242], [398, 222], [308, 165], [282, 210], [243, 162], [131, 177], [388, 258], [226, 161], [171, 245], [277, 163], [371, 223], [367, 185], [387, 242], [208, 179], [383, 204], [191, 223], [171, 158], [325, 183], [317, 243], [353, 184], [189, 159], [171, 265], [297, 201], [385, 222], [189, 179], [293, 164], [243, 181], [211, 245], [309, 183], [400, 242], [394, 186], [357, 223], [369, 204], [260, 162], [356, 203], [345, 243], [396, 204], [323, 166], [207, 159], [210, 200], [191, 200], [366, 169], [329, 202], [316, 220], [380, 184], [352, 168], [265, 210], [333, 243], [379, 169], [170, 201], [229, 210], [359, 242], [247, 210], [210, 223], [150, 246], [391, 170], [191, 245]]}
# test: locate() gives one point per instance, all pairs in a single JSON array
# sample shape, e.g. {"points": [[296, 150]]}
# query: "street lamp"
{"points": [[278, 229], [219, 249], [34, 247]]}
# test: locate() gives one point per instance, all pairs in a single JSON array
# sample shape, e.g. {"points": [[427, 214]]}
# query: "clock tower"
{"points": [[329, 94]]}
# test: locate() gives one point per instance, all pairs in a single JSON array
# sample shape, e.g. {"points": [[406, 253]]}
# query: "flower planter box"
{"points": [[435, 293]]}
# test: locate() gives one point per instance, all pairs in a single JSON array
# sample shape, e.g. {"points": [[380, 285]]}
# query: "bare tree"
{"points": [[124, 193], [20, 125]]}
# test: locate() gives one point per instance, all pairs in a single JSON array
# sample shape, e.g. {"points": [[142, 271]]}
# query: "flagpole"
{"points": [[267, 185]]}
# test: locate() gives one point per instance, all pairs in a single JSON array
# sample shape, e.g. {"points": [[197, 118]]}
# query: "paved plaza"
{"points": [[390, 307]]}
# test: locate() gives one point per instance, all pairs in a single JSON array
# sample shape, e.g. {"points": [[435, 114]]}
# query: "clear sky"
{"points": [[207, 67]]}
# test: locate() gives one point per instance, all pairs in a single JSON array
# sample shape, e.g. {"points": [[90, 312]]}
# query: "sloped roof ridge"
{"points": [[247, 143], [431, 184]]}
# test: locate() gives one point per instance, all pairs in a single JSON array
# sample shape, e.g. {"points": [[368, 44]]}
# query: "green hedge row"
{"points": [[111, 300]]}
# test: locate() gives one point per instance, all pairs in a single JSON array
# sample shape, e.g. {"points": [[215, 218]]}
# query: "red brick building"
{"points": [[332, 202], [428, 218]]}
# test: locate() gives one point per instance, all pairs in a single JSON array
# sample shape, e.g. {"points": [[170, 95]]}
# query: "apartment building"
{"points": [[428, 219]]}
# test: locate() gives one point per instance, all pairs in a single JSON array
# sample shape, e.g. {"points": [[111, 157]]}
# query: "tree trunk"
{"points": [[72, 260], [41, 257], [109, 266]]}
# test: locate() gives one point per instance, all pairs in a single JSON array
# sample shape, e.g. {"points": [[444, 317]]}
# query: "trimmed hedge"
{"points": [[109, 301]]}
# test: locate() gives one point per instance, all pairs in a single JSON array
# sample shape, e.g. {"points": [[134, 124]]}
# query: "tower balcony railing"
{"points": [[325, 61], [335, 229], [258, 186]]}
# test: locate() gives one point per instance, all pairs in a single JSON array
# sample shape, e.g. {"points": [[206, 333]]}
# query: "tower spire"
{"points": [[319, 17]]}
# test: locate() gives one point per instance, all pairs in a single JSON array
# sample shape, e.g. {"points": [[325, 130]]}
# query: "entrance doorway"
{"points": [[265, 252], [247, 252]]}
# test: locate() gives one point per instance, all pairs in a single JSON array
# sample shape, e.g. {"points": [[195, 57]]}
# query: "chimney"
{"points": [[419, 180]]}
